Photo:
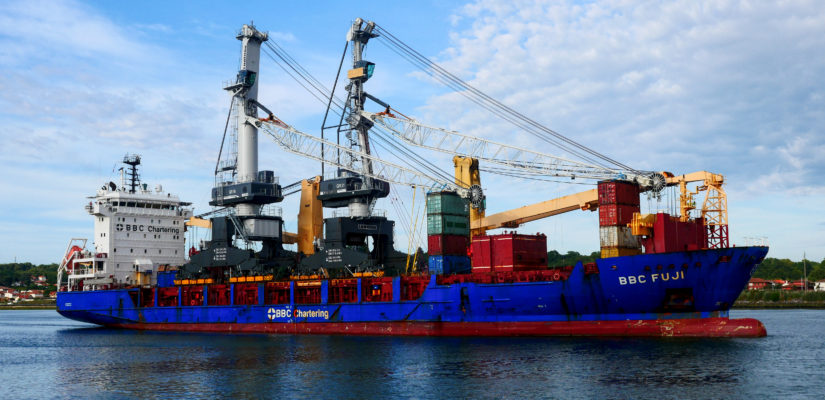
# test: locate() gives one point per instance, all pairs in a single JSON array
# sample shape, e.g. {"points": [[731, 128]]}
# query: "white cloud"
{"points": [[64, 28], [732, 87]]}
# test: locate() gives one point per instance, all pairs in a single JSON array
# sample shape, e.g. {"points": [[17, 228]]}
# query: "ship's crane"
{"points": [[519, 158], [313, 147], [469, 150]]}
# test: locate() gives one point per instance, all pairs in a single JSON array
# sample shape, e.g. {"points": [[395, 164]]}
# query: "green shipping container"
{"points": [[440, 224], [447, 203]]}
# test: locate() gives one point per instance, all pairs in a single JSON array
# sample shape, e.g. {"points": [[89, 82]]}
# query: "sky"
{"points": [[732, 87]]}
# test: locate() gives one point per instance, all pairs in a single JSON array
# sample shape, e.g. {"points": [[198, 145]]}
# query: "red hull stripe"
{"points": [[706, 327]]}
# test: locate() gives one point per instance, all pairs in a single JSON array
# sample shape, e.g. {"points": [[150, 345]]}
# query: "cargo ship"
{"points": [[658, 274]]}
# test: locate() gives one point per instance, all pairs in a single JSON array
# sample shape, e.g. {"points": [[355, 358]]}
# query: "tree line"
{"points": [[22, 272], [783, 268], [770, 268]]}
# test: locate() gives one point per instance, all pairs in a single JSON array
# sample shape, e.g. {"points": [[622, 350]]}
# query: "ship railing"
{"points": [[756, 241], [223, 182], [271, 210], [160, 212], [344, 213]]}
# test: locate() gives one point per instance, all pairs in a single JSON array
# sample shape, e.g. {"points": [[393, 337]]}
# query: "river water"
{"points": [[43, 355]]}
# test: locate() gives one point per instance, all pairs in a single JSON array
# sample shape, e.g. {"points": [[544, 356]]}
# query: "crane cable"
{"points": [[432, 68], [421, 216], [305, 79], [437, 71], [410, 238]]}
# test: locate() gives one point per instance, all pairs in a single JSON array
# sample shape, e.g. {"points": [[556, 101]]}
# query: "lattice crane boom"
{"points": [[304, 144], [531, 161]]}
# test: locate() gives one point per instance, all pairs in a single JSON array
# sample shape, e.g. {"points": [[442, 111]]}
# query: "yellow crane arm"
{"points": [[709, 178], [587, 200], [289, 237], [199, 222], [714, 208]]}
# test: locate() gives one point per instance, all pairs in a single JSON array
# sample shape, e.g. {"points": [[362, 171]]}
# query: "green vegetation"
{"points": [[556, 259], [781, 295], [780, 299], [38, 304], [22, 272], [775, 268]]}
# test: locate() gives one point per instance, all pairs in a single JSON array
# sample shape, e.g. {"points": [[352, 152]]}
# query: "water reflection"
{"points": [[48, 356]]}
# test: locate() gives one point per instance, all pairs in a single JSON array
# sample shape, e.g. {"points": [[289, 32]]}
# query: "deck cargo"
{"points": [[440, 224], [618, 192], [449, 265], [670, 234], [509, 252], [618, 236], [616, 214], [450, 245], [447, 203]]}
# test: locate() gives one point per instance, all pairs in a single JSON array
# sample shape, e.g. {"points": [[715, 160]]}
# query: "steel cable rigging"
{"points": [[503, 111], [305, 79]]}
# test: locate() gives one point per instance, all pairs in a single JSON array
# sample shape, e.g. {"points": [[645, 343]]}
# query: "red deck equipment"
{"points": [[670, 234]]}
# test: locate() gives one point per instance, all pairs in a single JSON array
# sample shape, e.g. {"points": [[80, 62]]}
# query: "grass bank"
{"points": [[33, 305], [752, 299]]}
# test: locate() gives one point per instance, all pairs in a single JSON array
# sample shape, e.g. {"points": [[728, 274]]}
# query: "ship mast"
{"points": [[251, 40], [251, 189]]}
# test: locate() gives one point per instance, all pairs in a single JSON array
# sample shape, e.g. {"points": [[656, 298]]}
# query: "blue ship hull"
{"points": [[682, 293]]}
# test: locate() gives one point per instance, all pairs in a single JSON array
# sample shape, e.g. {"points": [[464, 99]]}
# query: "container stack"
{"points": [[509, 252], [448, 233], [618, 201]]}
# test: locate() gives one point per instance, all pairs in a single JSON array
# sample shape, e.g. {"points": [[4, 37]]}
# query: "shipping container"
{"points": [[618, 192], [449, 265], [447, 203], [616, 214], [608, 252], [670, 234], [509, 252], [447, 245], [481, 253], [166, 278], [438, 224], [618, 236]]}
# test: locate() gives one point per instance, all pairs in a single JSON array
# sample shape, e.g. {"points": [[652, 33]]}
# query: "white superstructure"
{"points": [[137, 230]]}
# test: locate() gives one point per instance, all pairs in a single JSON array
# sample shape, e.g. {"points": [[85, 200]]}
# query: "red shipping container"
{"points": [[447, 245], [670, 234], [618, 192], [514, 251], [481, 254], [616, 214]]}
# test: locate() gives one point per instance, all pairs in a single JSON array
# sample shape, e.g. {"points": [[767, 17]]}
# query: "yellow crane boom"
{"points": [[587, 200]]}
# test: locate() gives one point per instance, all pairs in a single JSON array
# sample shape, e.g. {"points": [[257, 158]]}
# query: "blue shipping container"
{"points": [[449, 265], [167, 278]]}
